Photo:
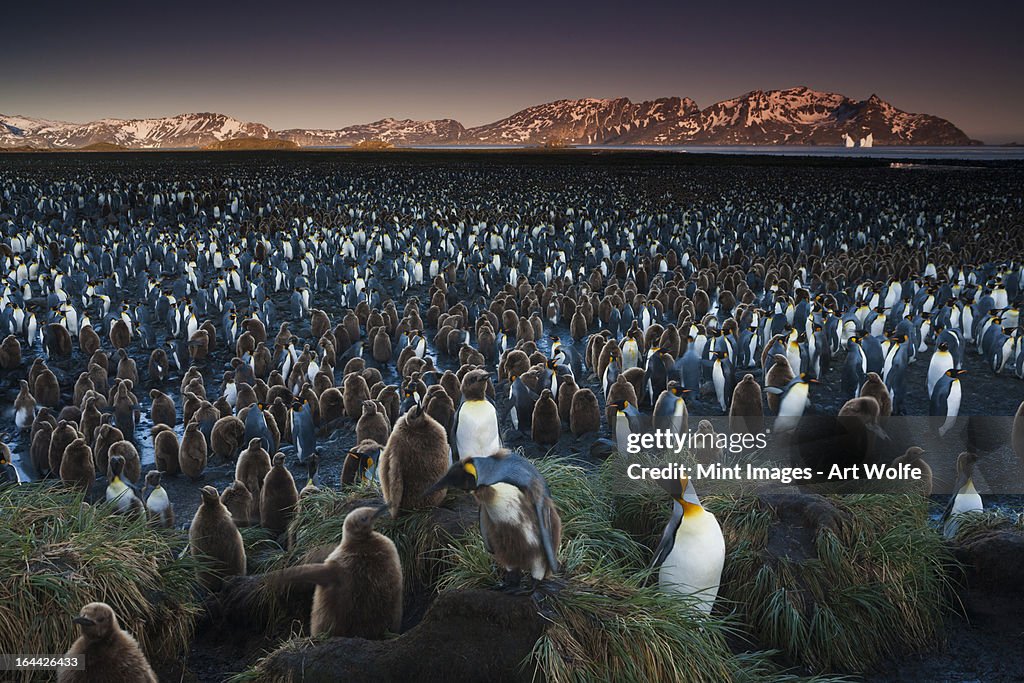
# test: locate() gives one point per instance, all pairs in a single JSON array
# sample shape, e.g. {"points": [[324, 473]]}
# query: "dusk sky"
{"points": [[327, 65]]}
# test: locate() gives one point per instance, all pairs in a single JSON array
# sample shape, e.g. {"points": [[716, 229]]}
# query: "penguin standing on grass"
{"points": [[691, 554], [519, 521]]}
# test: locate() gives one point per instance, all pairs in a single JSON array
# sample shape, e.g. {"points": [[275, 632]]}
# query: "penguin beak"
{"points": [[83, 621]]}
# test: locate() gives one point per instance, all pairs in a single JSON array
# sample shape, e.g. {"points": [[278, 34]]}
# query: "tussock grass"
{"points": [[57, 555], [979, 522], [841, 599]]}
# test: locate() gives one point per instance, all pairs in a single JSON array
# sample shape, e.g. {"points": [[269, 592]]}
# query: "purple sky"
{"points": [[300, 64]]}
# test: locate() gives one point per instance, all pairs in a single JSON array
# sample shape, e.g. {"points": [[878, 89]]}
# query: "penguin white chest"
{"points": [[478, 429], [694, 565]]}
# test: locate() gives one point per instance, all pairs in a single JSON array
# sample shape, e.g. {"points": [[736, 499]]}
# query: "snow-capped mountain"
{"points": [[585, 122], [183, 130], [395, 131], [795, 116]]}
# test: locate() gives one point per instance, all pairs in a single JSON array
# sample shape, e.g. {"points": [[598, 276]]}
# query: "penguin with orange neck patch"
{"points": [[519, 521], [691, 554]]}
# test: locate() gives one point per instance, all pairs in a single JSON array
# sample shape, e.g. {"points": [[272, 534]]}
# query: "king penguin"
{"points": [[519, 521], [965, 499], [691, 554], [475, 432]]}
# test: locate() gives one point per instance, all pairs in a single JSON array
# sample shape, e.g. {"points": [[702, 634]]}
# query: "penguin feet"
{"points": [[547, 587], [512, 583]]}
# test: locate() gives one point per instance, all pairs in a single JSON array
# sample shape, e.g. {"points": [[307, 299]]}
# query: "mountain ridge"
{"points": [[794, 116]]}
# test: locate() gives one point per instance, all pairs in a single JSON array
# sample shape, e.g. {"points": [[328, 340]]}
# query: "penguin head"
{"points": [[682, 492], [210, 495], [116, 466], [461, 475], [153, 478], [954, 373], [359, 522], [97, 621]]}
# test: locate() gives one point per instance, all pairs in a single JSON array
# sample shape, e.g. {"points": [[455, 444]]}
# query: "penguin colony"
{"points": [[388, 324]]}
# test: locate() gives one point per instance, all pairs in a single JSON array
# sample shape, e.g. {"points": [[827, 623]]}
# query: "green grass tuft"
{"points": [[57, 555]]}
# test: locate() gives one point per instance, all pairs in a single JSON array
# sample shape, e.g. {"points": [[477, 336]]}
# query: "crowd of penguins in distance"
{"points": [[737, 295]]}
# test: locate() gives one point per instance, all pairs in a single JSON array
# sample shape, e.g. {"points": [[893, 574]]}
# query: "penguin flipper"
{"points": [[668, 537], [322, 574], [453, 433], [544, 508], [774, 390], [947, 513]]}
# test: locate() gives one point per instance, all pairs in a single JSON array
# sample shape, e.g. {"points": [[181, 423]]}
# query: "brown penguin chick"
{"points": [[319, 324], [120, 334], [192, 452], [914, 457], [212, 534], [875, 388], [358, 587], [62, 436], [223, 407], [245, 397], [746, 412], [415, 456], [162, 411], [278, 497], [636, 377], [199, 345], [43, 417], [10, 353], [566, 390], [584, 413], [439, 406], [578, 325], [381, 346], [1017, 437], [252, 466], [110, 654], [83, 385], [226, 437], [165, 449], [355, 392], [70, 414], [76, 466], [372, 424], [331, 407], [238, 501], [126, 368], [132, 464], [38, 365], [39, 450], [211, 336], [192, 374], [88, 340], [706, 448], [256, 328], [779, 375], [98, 375], [159, 508], [46, 389], [106, 436], [620, 390], [91, 418], [547, 427], [190, 404], [24, 407], [282, 418], [124, 411]]}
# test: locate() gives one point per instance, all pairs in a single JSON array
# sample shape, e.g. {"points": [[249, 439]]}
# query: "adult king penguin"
{"points": [[691, 554], [519, 521]]}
